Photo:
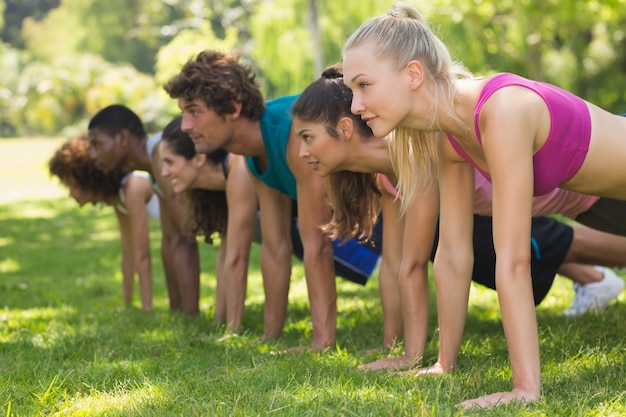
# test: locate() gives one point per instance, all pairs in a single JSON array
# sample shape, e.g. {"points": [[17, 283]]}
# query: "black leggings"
{"points": [[607, 215]]}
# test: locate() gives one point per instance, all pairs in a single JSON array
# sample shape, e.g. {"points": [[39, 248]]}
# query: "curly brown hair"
{"points": [[204, 211], [354, 197], [74, 166], [219, 79]]}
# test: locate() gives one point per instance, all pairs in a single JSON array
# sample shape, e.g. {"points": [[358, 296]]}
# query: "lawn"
{"points": [[69, 348]]}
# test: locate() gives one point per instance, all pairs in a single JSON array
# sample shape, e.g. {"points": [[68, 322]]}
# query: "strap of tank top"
{"points": [[121, 189], [151, 144], [386, 182], [493, 85]]}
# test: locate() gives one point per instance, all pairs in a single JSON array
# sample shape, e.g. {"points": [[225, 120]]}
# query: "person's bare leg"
{"points": [[593, 247], [580, 273]]}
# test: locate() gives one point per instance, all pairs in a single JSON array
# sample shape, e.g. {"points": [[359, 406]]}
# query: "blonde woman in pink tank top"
{"points": [[357, 168], [527, 137]]}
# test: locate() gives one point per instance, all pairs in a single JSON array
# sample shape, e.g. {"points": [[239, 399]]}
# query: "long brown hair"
{"points": [[353, 196], [204, 211]]}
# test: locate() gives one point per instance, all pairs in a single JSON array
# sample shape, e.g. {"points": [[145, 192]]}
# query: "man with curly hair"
{"points": [[223, 107]]}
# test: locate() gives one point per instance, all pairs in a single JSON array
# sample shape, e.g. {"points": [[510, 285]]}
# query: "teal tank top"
{"points": [[275, 127]]}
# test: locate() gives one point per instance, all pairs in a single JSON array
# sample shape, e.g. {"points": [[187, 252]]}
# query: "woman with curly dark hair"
{"points": [[130, 195], [206, 184]]}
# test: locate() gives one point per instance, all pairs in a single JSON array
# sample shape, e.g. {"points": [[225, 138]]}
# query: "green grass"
{"points": [[68, 348]]}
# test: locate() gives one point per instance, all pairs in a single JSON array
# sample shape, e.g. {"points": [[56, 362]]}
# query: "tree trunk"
{"points": [[316, 40]]}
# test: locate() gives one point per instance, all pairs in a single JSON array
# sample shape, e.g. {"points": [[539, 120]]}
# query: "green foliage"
{"points": [[46, 95], [10, 68], [283, 48], [574, 44], [186, 45], [339, 20], [60, 96], [579, 45], [138, 91], [2, 7], [102, 57], [13, 14], [68, 31], [98, 27]]}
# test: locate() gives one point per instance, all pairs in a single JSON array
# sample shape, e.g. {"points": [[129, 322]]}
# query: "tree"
{"points": [[2, 7], [185, 46], [84, 55], [98, 27], [11, 66], [284, 46], [98, 47], [575, 44], [316, 37], [13, 13]]}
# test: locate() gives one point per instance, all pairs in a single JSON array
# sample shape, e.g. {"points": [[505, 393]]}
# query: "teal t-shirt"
{"points": [[353, 260], [275, 127]]}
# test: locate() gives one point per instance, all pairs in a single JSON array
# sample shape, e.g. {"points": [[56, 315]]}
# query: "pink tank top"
{"points": [[558, 201], [567, 144]]}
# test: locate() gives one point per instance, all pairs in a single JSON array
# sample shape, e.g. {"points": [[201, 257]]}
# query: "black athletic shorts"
{"points": [[550, 242]]}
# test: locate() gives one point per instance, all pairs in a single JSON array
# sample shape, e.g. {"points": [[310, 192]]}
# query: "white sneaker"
{"points": [[597, 295]]}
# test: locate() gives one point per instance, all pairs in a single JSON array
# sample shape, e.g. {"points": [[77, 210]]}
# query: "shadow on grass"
{"points": [[56, 254], [53, 253]]}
